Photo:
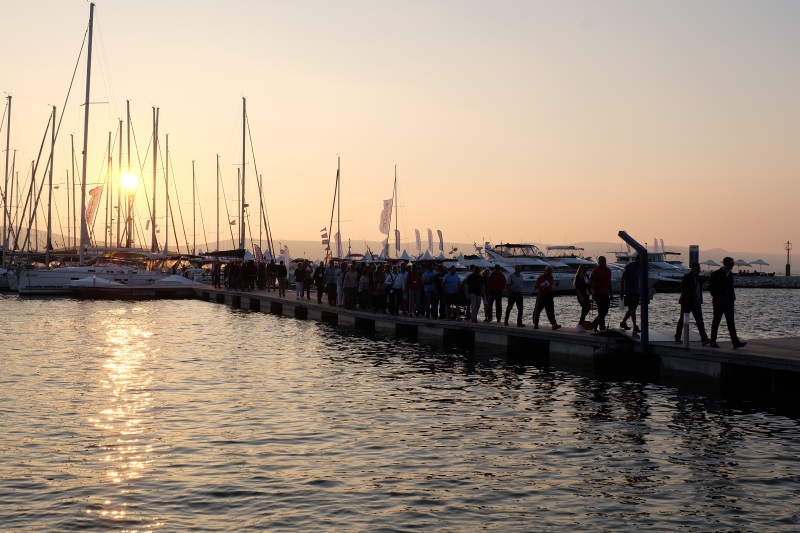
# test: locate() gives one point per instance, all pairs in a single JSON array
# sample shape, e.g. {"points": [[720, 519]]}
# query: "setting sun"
{"points": [[129, 181]]}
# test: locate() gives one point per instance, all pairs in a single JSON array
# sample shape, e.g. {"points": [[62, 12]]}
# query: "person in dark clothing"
{"points": [[282, 274], [319, 280], [600, 283], [495, 286], [581, 283], [723, 297], [691, 301]]}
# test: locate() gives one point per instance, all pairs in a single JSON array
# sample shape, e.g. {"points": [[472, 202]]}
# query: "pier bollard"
{"points": [[686, 329]]}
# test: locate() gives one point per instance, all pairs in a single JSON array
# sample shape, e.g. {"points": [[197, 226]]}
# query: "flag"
{"points": [[94, 204], [419, 244], [386, 216], [233, 222], [325, 235], [286, 257], [258, 254], [323, 230], [430, 240], [655, 245], [385, 250], [441, 242], [397, 241], [662, 246], [325, 242]]}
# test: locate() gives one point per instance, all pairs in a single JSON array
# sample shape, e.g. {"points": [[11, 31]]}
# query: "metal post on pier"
{"points": [[644, 289]]}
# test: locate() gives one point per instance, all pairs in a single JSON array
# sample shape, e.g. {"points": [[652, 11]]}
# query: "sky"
{"points": [[539, 121]]}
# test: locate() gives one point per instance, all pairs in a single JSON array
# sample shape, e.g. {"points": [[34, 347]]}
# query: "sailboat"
{"points": [[120, 266]]}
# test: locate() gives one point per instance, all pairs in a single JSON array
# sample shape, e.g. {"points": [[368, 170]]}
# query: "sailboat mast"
{"points": [[153, 242], [119, 189], [49, 244], [243, 203], [74, 211], [218, 202], [84, 230], [396, 209], [5, 186], [166, 198], [338, 207], [194, 219], [109, 194], [129, 213]]}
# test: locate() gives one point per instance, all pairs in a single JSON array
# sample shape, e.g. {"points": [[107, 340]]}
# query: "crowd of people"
{"points": [[433, 291]]}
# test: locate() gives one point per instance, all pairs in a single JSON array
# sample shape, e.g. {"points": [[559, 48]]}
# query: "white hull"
{"points": [[57, 280], [8, 280]]}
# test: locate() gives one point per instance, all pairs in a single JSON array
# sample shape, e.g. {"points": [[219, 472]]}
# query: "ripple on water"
{"points": [[190, 416]]}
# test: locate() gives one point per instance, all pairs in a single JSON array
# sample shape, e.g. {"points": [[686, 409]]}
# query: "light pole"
{"points": [[788, 248]]}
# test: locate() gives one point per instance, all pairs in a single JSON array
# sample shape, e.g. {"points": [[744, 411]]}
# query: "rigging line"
{"points": [[180, 212], [227, 211], [140, 230], [333, 209], [263, 210], [203, 223], [30, 190]]}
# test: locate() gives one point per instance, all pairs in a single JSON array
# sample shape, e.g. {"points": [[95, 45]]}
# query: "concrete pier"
{"points": [[766, 369]]}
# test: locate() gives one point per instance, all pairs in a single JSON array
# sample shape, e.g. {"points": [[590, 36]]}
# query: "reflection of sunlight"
{"points": [[121, 423]]}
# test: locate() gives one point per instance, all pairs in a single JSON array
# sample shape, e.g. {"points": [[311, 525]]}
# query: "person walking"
{"points": [[629, 292], [720, 285], [429, 299], [319, 280], [514, 285], [281, 273], [691, 301], [546, 285], [600, 285], [581, 283], [299, 279]]}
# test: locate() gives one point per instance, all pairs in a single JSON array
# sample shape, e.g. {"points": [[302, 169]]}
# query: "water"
{"points": [[192, 416]]}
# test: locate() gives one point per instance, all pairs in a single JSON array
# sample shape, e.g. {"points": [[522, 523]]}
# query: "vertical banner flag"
{"points": [[386, 217], [662, 246], [419, 244], [259, 255], [441, 242], [324, 232], [286, 257], [397, 241], [655, 245], [430, 241], [385, 250], [94, 204]]}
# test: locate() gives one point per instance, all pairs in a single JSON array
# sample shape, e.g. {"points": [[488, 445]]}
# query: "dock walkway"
{"points": [[765, 368]]}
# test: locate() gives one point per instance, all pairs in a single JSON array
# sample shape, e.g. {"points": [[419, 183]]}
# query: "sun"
{"points": [[129, 181]]}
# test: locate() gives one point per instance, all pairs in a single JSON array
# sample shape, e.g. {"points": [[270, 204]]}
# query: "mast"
{"points": [[166, 198], [244, 141], [218, 202], [129, 219], [5, 186], [74, 211], [338, 206], [49, 244], [396, 209], [119, 189], [153, 242], [194, 220], [109, 194], [84, 230]]}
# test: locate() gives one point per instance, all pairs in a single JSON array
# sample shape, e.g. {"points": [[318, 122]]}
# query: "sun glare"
{"points": [[129, 181]]}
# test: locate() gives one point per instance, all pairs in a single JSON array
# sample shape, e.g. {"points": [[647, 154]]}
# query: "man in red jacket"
{"points": [[600, 284]]}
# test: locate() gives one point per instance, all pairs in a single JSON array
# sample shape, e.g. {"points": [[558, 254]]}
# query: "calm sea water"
{"points": [[192, 416]]}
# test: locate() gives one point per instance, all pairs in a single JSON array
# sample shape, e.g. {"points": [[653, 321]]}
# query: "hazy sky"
{"points": [[543, 121]]}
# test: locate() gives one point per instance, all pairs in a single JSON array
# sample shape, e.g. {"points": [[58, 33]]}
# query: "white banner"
{"points": [[430, 240], [419, 243], [338, 243], [397, 241], [386, 217], [385, 250], [441, 242]]}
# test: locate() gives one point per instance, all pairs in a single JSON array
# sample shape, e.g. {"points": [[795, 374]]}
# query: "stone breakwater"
{"points": [[767, 282]]}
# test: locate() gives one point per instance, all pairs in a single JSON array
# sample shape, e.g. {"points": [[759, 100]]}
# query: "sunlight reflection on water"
{"points": [[193, 416]]}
